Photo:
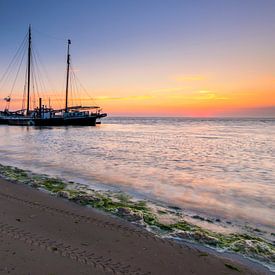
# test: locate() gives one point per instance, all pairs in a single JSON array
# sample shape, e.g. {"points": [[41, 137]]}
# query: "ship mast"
{"points": [[68, 74], [29, 71]]}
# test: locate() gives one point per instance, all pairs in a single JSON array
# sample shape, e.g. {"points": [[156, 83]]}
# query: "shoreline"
{"points": [[22, 205], [199, 216], [162, 221]]}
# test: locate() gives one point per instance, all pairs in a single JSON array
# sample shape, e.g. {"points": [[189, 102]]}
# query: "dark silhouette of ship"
{"points": [[47, 116]]}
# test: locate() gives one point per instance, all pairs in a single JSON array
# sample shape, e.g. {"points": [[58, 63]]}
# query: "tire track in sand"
{"points": [[105, 224], [81, 256]]}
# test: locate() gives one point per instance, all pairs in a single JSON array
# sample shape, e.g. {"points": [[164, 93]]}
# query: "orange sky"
{"points": [[186, 95], [194, 95], [173, 58]]}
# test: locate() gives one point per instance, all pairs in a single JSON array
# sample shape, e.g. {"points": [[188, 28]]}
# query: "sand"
{"points": [[43, 234]]}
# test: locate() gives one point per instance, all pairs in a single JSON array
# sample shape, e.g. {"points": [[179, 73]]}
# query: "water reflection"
{"points": [[226, 167]]}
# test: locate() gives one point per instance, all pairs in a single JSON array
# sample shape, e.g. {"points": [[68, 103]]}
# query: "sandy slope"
{"points": [[42, 234]]}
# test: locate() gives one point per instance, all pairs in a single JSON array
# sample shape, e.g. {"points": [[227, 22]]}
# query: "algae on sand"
{"points": [[123, 205]]}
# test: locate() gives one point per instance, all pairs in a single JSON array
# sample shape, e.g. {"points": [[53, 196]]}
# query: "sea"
{"points": [[221, 168]]}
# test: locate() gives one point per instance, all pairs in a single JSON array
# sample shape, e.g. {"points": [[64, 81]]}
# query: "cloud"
{"points": [[204, 92], [200, 95], [123, 98], [169, 90], [209, 95], [189, 78]]}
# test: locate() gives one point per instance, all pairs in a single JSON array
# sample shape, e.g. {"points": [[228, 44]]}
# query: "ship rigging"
{"points": [[43, 115]]}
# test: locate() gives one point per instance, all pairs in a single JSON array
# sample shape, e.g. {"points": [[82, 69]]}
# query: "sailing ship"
{"points": [[48, 116]]}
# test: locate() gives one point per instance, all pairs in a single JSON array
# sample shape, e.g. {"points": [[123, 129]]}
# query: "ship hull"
{"points": [[42, 115], [57, 121], [85, 121], [3, 121]]}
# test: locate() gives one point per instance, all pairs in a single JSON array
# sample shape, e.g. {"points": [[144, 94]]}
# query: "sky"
{"points": [[199, 58]]}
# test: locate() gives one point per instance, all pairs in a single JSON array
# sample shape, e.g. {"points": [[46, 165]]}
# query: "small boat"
{"points": [[47, 116]]}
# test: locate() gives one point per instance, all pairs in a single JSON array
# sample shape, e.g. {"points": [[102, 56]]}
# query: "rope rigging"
{"points": [[13, 85], [81, 86], [17, 60], [15, 57], [37, 83]]}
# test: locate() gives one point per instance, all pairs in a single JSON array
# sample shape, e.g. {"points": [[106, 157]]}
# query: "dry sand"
{"points": [[42, 234]]}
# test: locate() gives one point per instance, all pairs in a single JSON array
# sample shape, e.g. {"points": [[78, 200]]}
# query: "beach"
{"points": [[43, 234], [174, 171]]}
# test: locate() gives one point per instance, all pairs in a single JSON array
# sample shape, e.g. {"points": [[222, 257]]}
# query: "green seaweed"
{"points": [[124, 198], [140, 205], [183, 225], [245, 244], [122, 205], [14, 173], [73, 193], [104, 203], [152, 220], [161, 212], [53, 185]]}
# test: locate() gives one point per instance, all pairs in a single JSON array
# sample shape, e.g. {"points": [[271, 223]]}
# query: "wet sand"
{"points": [[43, 234]]}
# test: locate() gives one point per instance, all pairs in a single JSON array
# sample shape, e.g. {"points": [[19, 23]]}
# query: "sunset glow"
{"points": [[170, 60]]}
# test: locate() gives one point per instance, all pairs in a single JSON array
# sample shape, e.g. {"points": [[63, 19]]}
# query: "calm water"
{"points": [[224, 168]]}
